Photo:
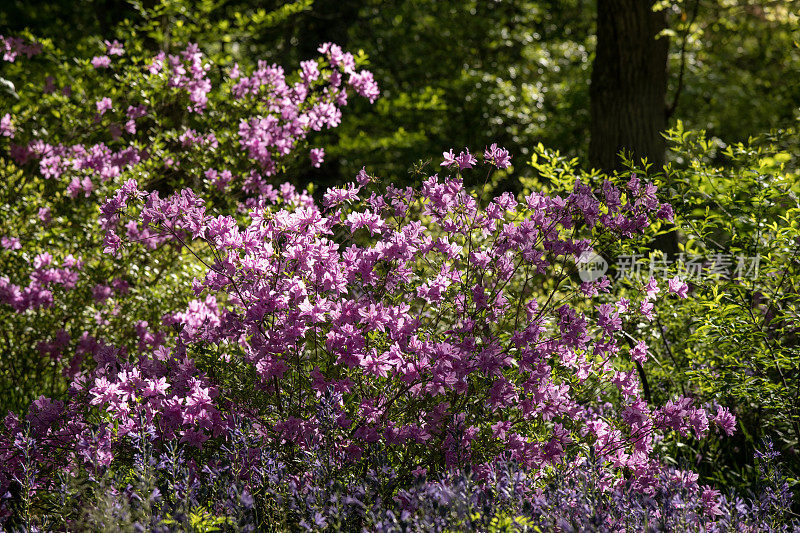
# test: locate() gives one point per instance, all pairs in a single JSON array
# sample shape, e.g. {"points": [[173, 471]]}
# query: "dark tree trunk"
{"points": [[629, 84], [629, 89]]}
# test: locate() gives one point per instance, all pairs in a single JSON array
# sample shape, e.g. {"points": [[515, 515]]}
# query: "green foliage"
{"points": [[735, 340], [468, 74], [510, 524], [741, 65]]}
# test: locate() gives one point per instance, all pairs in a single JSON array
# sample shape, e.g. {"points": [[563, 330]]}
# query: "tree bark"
{"points": [[628, 91], [629, 84]]}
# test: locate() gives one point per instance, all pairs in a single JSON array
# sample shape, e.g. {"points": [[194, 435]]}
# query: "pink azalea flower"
{"points": [[679, 287], [499, 157], [465, 160], [317, 157], [114, 48], [449, 159], [6, 126], [103, 105], [101, 62]]}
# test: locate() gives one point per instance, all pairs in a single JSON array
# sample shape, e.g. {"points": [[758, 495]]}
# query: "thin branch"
{"points": [[679, 89]]}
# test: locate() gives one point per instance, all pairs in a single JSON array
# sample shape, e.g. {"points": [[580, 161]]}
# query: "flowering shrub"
{"points": [[416, 329], [421, 318], [415, 309], [170, 120]]}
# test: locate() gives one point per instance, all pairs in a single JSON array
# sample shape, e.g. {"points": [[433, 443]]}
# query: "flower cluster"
{"points": [[267, 137], [44, 276], [186, 71], [417, 306], [11, 47], [155, 119], [287, 114]]}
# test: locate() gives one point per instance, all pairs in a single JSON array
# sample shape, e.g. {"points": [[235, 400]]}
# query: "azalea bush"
{"points": [[423, 319], [213, 348], [400, 326], [170, 120]]}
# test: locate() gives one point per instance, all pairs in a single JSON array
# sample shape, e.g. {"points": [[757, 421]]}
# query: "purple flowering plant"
{"points": [[78, 133], [416, 308], [375, 331]]}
